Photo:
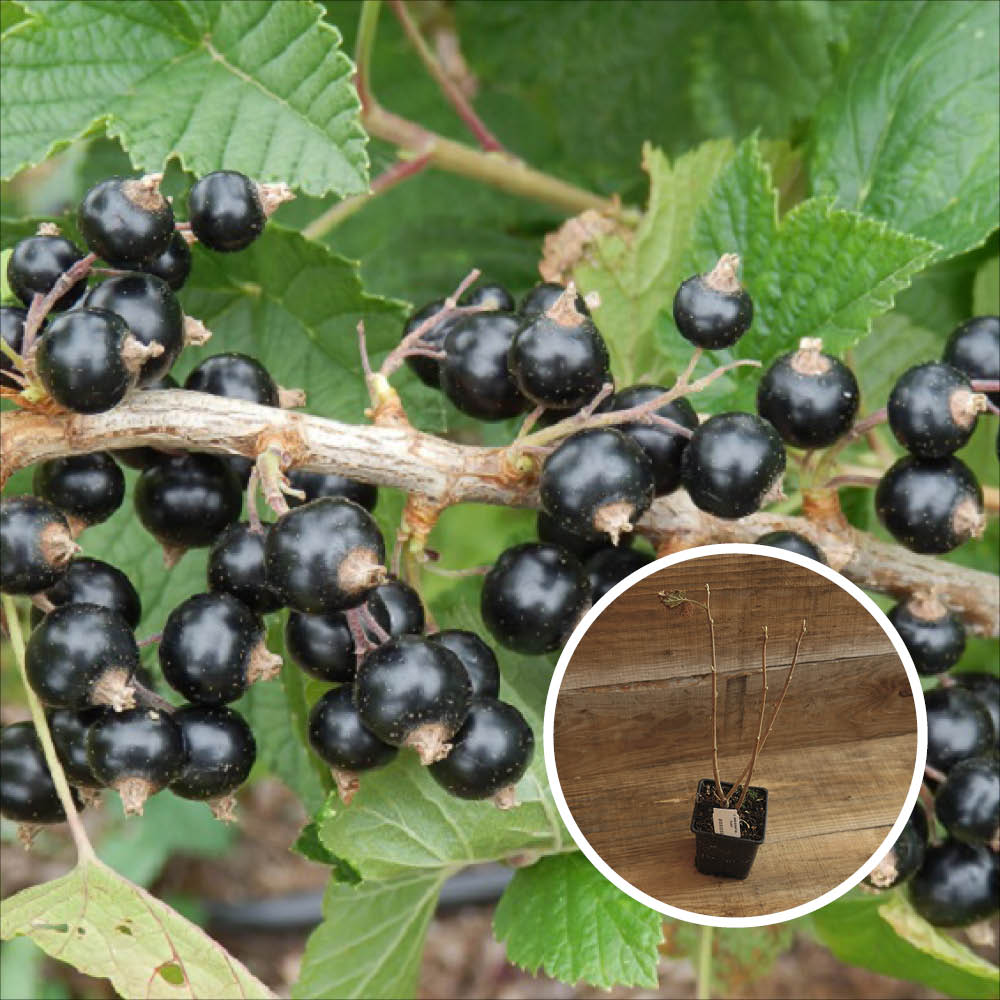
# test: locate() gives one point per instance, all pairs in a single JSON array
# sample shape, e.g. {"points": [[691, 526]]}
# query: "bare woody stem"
{"points": [[760, 723]]}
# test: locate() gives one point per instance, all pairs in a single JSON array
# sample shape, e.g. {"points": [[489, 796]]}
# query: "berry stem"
{"points": [[150, 699], [985, 385], [859, 430], [852, 480], [927, 798], [150, 640], [41, 305], [369, 620]]}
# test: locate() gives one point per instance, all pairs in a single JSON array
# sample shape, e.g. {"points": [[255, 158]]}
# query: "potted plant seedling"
{"points": [[729, 821]]}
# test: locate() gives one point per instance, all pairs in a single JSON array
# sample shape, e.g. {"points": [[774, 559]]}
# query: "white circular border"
{"points": [[549, 747]]}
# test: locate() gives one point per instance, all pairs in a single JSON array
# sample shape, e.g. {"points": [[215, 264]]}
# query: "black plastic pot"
{"points": [[717, 854]]}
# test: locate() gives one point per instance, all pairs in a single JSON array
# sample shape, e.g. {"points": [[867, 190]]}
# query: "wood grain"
{"points": [[633, 731]]}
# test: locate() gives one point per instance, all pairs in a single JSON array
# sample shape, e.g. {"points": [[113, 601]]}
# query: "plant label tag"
{"points": [[726, 822]]}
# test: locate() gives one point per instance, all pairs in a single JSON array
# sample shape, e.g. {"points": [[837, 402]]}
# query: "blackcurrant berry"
{"points": [[597, 480], [412, 692], [533, 597], [583, 546], [906, 856], [474, 373], [559, 359], [235, 376], [731, 464], [90, 581], [136, 753], [959, 884], [69, 735], [403, 606], [974, 348], [185, 501], [791, 541], [933, 635], [478, 659], [126, 220], [663, 446], [27, 792], [610, 566], [219, 752], [12, 330], [932, 410], [88, 489], [36, 545], [226, 211], [489, 754], [236, 566], [958, 727], [713, 310], [425, 368], [81, 655], [150, 311], [325, 556], [143, 458], [213, 649], [810, 397], [544, 296], [968, 803], [930, 505], [322, 645], [36, 264], [330, 484], [494, 297], [985, 687], [173, 265]]}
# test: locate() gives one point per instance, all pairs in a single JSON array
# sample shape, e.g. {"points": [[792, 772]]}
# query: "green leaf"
{"points": [[986, 288], [106, 927], [561, 915], [910, 130], [884, 933], [259, 87]]}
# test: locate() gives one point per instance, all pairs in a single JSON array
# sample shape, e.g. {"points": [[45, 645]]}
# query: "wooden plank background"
{"points": [[633, 731]]}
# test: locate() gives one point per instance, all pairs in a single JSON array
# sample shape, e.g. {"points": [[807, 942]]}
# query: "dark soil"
{"points": [[753, 815]]}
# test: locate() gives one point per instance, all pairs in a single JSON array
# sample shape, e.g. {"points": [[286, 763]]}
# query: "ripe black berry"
{"points": [[934, 636], [986, 688], [402, 605], [69, 735], [12, 331], [930, 505], [226, 211], [236, 566], [322, 645], [219, 751], [330, 484], [544, 296], [791, 541], [325, 556], [27, 792], [478, 659], [35, 265], [143, 457], [810, 397], [427, 369], [583, 546], [126, 220], [533, 597], [489, 754], [968, 803], [610, 566], [974, 348], [731, 463], [932, 410], [213, 649], [411, 692], [137, 753], [713, 310], [474, 374], [88, 489], [958, 727], [958, 884], [235, 376], [173, 265], [81, 655], [150, 311], [906, 856], [35, 545], [597, 480], [90, 581], [494, 297]]}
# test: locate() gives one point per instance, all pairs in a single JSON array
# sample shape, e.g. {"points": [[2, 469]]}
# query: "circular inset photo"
{"points": [[733, 733]]}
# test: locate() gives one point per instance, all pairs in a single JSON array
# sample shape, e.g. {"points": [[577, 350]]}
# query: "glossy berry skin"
{"points": [[403, 607], [491, 751], [138, 743], [322, 645], [329, 484], [36, 264], [930, 505], [236, 566], [478, 659], [207, 647], [79, 360], [533, 597], [125, 222], [494, 297], [663, 447], [958, 884], [12, 331], [73, 648], [583, 546], [408, 683], [88, 489], [906, 856], [474, 374], [593, 471], [809, 397], [27, 792], [710, 318], [225, 210], [427, 369], [791, 541], [142, 458], [958, 727], [974, 348], [185, 501], [173, 265], [936, 640], [235, 376], [69, 735], [338, 736], [91, 581], [544, 296], [920, 410], [35, 545], [325, 556], [610, 566], [219, 752], [986, 688], [150, 311], [968, 803]]}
